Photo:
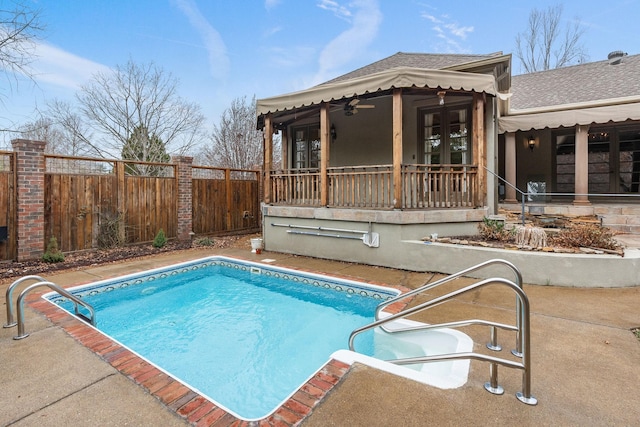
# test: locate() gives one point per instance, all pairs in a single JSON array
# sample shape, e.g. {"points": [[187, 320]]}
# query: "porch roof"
{"points": [[401, 77], [569, 115]]}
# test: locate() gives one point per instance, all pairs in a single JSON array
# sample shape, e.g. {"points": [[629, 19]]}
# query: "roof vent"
{"points": [[615, 57]]}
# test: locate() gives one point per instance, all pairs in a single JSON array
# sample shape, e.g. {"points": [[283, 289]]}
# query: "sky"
{"points": [[219, 50]]}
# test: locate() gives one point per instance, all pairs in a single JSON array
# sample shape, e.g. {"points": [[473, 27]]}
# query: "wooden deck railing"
{"points": [[361, 187], [371, 187], [439, 186], [299, 187]]}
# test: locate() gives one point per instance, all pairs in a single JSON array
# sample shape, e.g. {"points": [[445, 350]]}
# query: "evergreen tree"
{"points": [[144, 147]]}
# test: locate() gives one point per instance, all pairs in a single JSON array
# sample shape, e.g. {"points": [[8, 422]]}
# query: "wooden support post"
{"points": [[229, 199], [397, 148], [480, 146], [510, 167], [582, 165], [325, 147], [268, 157]]}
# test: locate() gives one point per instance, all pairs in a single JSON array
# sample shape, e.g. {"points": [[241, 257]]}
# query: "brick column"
{"points": [[30, 183], [185, 196]]}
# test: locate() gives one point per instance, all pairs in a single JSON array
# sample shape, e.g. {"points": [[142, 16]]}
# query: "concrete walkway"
{"points": [[585, 362]]}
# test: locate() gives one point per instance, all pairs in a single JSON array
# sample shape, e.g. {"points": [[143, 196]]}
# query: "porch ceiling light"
{"points": [[441, 95], [531, 143]]}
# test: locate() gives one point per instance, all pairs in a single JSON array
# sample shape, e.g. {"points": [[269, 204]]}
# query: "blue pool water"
{"points": [[245, 336]]}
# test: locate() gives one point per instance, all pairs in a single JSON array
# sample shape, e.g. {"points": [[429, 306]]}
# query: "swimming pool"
{"points": [[210, 321]]}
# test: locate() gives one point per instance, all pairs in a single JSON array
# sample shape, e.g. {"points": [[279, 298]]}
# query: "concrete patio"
{"points": [[585, 362]]}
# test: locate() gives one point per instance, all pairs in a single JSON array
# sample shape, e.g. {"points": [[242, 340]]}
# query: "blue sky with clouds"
{"points": [[224, 49]]}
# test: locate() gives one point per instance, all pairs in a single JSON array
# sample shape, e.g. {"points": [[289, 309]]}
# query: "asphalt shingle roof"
{"points": [[417, 60], [592, 81]]}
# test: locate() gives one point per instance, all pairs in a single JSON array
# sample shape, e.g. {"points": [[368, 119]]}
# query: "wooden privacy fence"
{"points": [[225, 200], [95, 202], [87, 203], [86, 199], [7, 206]]}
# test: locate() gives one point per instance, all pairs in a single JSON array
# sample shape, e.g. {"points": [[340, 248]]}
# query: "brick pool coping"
{"points": [[179, 398]]}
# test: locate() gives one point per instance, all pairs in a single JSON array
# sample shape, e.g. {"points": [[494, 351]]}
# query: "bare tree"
{"points": [[44, 129], [235, 141], [76, 135], [19, 29], [113, 105], [546, 44]]}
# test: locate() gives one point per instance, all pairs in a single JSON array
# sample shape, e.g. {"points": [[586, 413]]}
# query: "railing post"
{"points": [[493, 344], [492, 386]]}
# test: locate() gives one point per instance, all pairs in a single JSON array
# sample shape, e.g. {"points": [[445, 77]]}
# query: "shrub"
{"points": [[205, 241], [492, 229], [585, 236], [160, 240], [109, 230], [53, 253]]}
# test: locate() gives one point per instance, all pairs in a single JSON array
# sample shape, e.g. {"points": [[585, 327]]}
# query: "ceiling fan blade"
{"points": [[366, 106], [354, 102]]}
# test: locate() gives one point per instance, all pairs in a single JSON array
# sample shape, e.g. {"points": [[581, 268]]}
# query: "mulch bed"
{"points": [[14, 269]]}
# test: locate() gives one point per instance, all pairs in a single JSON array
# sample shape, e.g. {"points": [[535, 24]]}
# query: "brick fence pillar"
{"points": [[30, 176], [185, 196]]}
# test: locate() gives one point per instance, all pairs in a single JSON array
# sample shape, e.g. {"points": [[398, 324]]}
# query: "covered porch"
{"points": [[370, 162], [421, 141]]}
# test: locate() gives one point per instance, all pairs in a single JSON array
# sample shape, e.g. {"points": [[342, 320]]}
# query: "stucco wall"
{"points": [[393, 228], [401, 247]]}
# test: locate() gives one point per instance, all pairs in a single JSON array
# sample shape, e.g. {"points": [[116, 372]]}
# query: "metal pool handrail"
{"points": [[492, 386], [76, 302], [428, 286], [9, 298]]}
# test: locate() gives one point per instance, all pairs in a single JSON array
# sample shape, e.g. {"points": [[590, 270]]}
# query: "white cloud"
{"points": [[458, 31], [63, 69], [339, 11], [449, 32], [431, 18], [365, 21], [218, 59]]}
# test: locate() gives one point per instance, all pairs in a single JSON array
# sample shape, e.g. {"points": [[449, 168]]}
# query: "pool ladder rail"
{"points": [[40, 282], [522, 328]]}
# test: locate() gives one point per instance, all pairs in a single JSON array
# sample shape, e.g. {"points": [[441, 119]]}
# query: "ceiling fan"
{"points": [[352, 107]]}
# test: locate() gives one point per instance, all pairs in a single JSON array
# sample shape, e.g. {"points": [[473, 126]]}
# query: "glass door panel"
{"points": [[432, 138], [600, 168], [565, 163], [629, 158], [306, 147], [458, 139]]}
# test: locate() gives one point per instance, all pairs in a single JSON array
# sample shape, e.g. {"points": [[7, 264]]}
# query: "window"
{"points": [[306, 147], [614, 161], [445, 135]]}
